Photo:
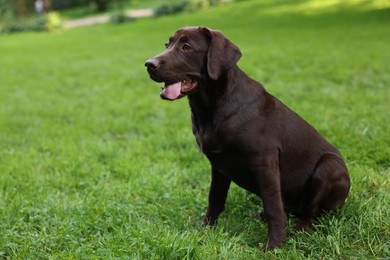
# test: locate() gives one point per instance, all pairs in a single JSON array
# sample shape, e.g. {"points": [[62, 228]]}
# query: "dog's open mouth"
{"points": [[178, 89]]}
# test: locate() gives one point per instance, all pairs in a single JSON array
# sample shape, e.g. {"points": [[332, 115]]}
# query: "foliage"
{"points": [[37, 25], [6, 10], [49, 22], [95, 166], [175, 7], [120, 17], [22, 8], [62, 4], [53, 21], [171, 8], [101, 5]]}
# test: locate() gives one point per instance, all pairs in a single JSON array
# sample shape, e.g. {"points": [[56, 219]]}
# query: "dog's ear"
{"points": [[222, 53]]}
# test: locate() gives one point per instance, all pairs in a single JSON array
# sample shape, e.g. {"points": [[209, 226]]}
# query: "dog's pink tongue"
{"points": [[172, 91]]}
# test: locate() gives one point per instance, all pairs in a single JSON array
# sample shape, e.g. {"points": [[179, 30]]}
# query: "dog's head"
{"points": [[193, 55]]}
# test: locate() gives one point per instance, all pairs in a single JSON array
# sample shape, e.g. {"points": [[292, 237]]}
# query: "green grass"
{"points": [[94, 165]]}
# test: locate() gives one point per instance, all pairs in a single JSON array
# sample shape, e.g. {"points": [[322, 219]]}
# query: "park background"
{"points": [[94, 165]]}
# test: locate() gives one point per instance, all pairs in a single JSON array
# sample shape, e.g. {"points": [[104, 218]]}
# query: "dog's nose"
{"points": [[152, 63]]}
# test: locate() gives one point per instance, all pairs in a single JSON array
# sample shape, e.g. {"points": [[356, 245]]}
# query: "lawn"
{"points": [[94, 165]]}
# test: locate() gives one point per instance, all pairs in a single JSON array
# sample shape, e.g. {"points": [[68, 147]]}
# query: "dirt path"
{"points": [[106, 18]]}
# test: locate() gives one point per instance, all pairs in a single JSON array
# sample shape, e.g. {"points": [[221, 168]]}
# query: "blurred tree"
{"points": [[6, 10], [62, 4], [119, 5], [20, 7], [101, 5], [46, 5]]}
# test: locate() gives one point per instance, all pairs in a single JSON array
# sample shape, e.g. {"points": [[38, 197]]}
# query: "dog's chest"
{"points": [[209, 142], [234, 166], [224, 149], [211, 139], [221, 150]]}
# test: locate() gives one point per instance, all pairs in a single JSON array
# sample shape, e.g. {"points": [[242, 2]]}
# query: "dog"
{"points": [[249, 136]]}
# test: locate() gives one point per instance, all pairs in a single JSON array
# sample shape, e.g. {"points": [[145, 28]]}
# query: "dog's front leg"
{"points": [[217, 197], [268, 179]]}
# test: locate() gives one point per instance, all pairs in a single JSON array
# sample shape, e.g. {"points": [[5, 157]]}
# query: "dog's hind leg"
{"points": [[326, 190]]}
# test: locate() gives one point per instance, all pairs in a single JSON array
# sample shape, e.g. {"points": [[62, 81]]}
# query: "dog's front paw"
{"points": [[304, 225], [271, 245], [209, 222]]}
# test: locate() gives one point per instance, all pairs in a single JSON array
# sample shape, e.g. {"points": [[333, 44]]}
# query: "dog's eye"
{"points": [[186, 47], [166, 45]]}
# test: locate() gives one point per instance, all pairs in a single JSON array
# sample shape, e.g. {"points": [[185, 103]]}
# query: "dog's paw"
{"points": [[209, 222], [303, 225], [270, 245]]}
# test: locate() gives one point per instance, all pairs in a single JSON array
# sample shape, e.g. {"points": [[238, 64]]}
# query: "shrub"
{"points": [[49, 22], [6, 10], [53, 21], [101, 5], [36, 25], [184, 6], [172, 8], [120, 17]]}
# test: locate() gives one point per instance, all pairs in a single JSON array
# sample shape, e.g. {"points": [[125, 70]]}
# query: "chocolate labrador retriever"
{"points": [[248, 135]]}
